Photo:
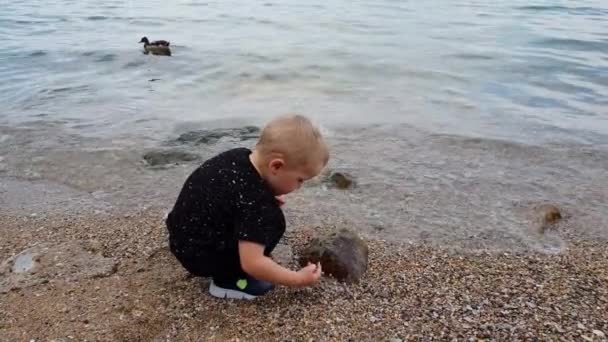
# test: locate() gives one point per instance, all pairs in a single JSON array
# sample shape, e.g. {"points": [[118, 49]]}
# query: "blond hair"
{"points": [[294, 138]]}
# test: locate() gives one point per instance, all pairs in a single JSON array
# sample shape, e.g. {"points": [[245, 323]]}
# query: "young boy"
{"points": [[227, 218]]}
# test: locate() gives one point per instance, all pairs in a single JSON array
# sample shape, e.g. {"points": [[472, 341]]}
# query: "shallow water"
{"points": [[453, 115]]}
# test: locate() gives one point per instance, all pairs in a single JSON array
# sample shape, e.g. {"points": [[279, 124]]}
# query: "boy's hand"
{"points": [[280, 199], [309, 275]]}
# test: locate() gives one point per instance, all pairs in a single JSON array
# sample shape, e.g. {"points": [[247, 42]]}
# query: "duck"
{"points": [[156, 47], [156, 42]]}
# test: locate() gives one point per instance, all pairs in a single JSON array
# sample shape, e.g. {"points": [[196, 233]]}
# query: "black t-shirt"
{"points": [[223, 201]]}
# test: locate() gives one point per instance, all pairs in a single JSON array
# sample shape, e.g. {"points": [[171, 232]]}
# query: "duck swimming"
{"points": [[158, 47], [156, 42]]}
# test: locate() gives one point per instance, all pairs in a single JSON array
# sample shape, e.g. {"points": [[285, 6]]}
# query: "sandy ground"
{"points": [[410, 292]]}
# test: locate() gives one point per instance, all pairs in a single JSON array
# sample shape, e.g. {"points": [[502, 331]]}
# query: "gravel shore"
{"points": [[410, 292]]}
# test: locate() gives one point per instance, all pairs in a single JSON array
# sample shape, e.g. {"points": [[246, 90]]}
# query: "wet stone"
{"points": [[200, 137], [162, 158], [547, 216], [342, 254], [340, 180]]}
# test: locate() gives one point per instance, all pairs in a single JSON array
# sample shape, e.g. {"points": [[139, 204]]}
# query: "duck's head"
{"points": [[144, 40]]}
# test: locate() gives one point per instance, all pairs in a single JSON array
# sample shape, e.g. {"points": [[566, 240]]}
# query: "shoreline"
{"points": [[410, 292]]}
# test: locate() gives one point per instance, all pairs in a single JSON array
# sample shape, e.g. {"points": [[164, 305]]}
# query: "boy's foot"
{"points": [[242, 288]]}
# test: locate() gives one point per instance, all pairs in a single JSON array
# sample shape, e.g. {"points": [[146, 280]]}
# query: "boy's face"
{"points": [[284, 179]]}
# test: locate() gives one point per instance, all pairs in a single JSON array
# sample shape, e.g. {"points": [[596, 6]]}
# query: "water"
{"points": [[403, 89], [24, 263]]}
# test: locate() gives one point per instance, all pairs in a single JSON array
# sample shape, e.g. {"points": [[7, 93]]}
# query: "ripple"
{"points": [[38, 53], [97, 17], [572, 44], [144, 22], [197, 4], [134, 64], [67, 89], [471, 56], [29, 22], [560, 9], [106, 58]]}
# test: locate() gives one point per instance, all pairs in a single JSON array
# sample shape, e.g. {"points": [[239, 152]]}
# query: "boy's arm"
{"points": [[259, 266]]}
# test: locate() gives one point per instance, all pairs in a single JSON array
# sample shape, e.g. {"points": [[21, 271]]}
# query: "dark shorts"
{"points": [[207, 262]]}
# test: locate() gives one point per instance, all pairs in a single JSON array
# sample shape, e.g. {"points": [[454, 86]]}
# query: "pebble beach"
{"points": [[409, 293]]}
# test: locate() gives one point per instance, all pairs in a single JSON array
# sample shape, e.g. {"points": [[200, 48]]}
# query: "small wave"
{"points": [[134, 64], [256, 58], [318, 68], [197, 4], [41, 32], [147, 22], [270, 76], [106, 58], [557, 8], [68, 89], [29, 22], [542, 8], [97, 17], [572, 44], [463, 23], [265, 22], [544, 102], [38, 53], [471, 56]]}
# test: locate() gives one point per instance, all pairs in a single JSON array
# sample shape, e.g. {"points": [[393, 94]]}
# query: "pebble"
{"points": [[599, 333]]}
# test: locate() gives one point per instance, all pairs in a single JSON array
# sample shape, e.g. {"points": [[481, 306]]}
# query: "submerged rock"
{"points": [[340, 180], [161, 158], [342, 253], [212, 136], [68, 261], [547, 215]]}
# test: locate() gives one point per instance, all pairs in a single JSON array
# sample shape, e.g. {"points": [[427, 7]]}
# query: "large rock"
{"points": [[162, 158], [211, 136], [68, 261], [342, 253]]}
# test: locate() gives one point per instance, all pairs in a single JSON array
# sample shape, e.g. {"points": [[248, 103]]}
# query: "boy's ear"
{"points": [[276, 164]]}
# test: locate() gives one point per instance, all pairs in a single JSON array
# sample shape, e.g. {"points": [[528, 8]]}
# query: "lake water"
{"points": [[451, 114]]}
